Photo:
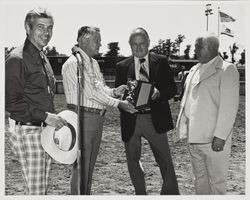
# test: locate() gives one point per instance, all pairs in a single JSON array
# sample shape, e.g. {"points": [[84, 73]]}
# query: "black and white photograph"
{"points": [[123, 98]]}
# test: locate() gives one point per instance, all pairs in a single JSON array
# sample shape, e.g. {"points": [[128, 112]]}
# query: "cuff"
{"points": [[113, 93], [116, 103], [45, 116]]}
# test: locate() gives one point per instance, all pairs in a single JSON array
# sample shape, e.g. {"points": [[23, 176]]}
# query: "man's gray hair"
{"points": [[87, 31], [211, 40], [37, 13], [138, 31]]}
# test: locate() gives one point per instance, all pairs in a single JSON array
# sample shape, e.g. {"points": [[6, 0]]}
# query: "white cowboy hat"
{"points": [[62, 145]]}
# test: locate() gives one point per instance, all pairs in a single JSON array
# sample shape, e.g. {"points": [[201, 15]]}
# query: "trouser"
{"points": [[210, 168], [91, 130], [160, 148], [25, 142]]}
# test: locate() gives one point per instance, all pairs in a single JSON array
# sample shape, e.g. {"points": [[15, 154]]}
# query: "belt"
{"points": [[31, 123], [144, 111], [87, 109]]}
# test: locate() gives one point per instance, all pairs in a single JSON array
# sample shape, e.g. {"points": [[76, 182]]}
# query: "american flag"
{"points": [[225, 17]]}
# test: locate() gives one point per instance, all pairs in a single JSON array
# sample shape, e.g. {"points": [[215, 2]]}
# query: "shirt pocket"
{"points": [[37, 80]]}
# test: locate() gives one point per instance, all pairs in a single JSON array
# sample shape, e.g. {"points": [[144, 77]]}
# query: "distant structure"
{"points": [[180, 68]]}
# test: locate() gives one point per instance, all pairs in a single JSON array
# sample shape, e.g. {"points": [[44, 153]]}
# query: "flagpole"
{"points": [[208, 12], [218, 22]]}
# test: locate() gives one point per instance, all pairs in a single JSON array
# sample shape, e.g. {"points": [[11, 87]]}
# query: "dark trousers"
{"points": [[160, 148]]}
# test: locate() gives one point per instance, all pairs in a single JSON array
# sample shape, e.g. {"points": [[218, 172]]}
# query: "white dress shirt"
{"points": [[138, 66], [95, 93]]}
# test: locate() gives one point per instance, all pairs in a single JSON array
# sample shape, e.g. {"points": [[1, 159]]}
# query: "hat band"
{"points": [[73, 135]]}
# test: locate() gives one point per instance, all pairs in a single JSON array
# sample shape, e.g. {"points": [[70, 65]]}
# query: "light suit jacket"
{"points": [[215, 103]]}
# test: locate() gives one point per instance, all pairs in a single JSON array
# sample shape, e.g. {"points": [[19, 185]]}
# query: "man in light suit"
{"points": [[207, 114], [153, 122]]}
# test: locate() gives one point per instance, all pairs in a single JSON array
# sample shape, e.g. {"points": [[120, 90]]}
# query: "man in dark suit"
{"points": [[153, 122]]}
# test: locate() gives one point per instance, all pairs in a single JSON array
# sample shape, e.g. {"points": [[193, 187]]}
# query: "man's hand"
{"points": [[126, 106], [218, 144], [155, 94], [119, 91], [55, 121]]}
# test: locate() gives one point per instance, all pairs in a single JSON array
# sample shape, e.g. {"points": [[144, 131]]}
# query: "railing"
{"points": [[111, 83]]}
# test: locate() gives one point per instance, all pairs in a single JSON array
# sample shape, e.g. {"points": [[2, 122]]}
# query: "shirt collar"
{"points": [[85, 56], [208, 63], [32, 49], [136, 59]]}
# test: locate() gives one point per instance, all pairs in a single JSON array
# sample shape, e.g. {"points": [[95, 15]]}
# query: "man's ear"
{"points": [[27, 28]]}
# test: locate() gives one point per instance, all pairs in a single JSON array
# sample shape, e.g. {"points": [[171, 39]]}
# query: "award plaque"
{"points": [[139, 94]]}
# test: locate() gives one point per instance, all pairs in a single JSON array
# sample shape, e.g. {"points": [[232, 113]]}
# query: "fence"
{"points": [[107, 66]]}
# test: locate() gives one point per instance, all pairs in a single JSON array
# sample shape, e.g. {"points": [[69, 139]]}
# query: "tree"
{"points": [[159, 49], [168, 47], [233, 50], [165, 47], [195, 56], [187, 51], [51, 51], [8, 50], [180, 38], [225, 56], [242, 59], [113, 49]]}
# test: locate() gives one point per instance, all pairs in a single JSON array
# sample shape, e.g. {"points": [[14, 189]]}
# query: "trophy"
{"points": [[139, 93]]}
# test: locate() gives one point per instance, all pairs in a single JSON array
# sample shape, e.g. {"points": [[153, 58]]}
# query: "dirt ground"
{"points": [[111, 176]]}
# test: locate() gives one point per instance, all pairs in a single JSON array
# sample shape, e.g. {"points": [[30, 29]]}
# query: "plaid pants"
{"points": [[35, 162]]}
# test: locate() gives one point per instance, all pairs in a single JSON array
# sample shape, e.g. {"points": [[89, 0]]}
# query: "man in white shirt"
{"points": [[207, 114], [95, 97]]}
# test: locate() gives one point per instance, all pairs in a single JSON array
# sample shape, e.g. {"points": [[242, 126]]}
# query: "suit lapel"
{"points": [[131, 68], [210, 70], [217, 64], [152, 61], [188, 82]]}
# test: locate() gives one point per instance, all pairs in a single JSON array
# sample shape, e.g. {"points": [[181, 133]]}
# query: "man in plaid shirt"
{"points": [[29, 100]]}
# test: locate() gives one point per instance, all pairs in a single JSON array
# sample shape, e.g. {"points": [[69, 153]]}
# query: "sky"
{"points": [[116, 19]]}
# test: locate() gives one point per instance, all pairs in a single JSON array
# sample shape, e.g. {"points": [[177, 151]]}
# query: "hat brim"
{"points": [[48, 143]]}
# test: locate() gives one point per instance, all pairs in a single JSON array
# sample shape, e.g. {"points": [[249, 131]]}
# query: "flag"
{"points": [[227, 31], [225, 17]]}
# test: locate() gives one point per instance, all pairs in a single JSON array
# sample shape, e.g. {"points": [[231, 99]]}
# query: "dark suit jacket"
{"points": [[160, 74]]}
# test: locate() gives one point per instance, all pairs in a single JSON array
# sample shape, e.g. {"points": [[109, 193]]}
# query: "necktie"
{"points": [[48, 72], [143, 72]]}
